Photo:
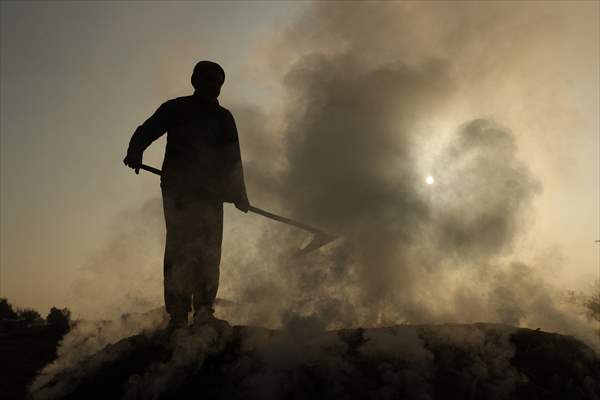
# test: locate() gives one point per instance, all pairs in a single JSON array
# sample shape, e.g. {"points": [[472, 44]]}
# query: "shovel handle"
{"points": [[255, 210], [151, 169], [320, 238], [285, 220]]}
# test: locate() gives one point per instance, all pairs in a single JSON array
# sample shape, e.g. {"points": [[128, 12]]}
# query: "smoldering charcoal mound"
{"points": [[478, 361]]}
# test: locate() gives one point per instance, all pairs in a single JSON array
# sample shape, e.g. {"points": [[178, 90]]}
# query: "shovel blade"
{"points": [[319, 240]]}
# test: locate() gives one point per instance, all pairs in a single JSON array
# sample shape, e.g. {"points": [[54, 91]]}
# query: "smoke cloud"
{"points": [[378, 96], [373, 97]]}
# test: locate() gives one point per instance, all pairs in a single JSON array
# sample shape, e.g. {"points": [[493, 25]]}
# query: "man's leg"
{"points": [[208, 248], [177, 266]]}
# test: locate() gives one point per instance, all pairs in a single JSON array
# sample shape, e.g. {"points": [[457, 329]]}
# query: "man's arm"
{"points": [[233, 156], [153, 128]]}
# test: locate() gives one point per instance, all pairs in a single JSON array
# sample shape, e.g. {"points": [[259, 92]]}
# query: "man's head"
{"points": [[207, 79]]}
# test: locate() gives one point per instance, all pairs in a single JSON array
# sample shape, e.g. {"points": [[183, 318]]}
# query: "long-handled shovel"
{"points": [[320, 238]]}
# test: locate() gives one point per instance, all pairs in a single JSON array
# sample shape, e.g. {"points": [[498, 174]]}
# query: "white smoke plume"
{"points": [[372, 98]]}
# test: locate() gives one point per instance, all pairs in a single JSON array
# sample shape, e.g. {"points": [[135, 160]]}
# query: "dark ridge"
{"points": [[478, 361]]}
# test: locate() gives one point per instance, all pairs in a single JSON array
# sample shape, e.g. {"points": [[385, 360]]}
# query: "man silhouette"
{"points": [[202, 169]]}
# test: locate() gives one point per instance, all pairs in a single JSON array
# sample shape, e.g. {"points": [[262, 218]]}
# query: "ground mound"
{"points": [[478, 361]]}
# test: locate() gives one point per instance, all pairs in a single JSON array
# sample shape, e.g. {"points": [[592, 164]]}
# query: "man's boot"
{"points": [[204, 316], [178, 320]]}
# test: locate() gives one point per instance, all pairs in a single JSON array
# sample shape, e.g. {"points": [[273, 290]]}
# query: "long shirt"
{"points": [[202, 156]]}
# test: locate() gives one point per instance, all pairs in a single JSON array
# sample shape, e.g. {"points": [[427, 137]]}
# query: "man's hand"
{"points": [[133, 160], [243, 204]]}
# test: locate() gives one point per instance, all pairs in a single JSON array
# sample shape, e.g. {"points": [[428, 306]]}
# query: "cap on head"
{"points": [[208, 77]]}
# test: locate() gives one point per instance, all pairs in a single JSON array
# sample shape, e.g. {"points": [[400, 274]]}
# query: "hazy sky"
{"points": [[77, 78]]}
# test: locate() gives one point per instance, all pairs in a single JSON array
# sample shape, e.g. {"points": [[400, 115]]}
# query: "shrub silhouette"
{"points": [[7, 311], [59, 318], [30, 315]]}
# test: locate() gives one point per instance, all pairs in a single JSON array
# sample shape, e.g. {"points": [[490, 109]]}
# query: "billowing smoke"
{"points": [[373, 97], [364, 97]]}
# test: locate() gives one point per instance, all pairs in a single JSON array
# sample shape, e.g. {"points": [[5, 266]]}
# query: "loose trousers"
{"points": [[192, 253]]}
